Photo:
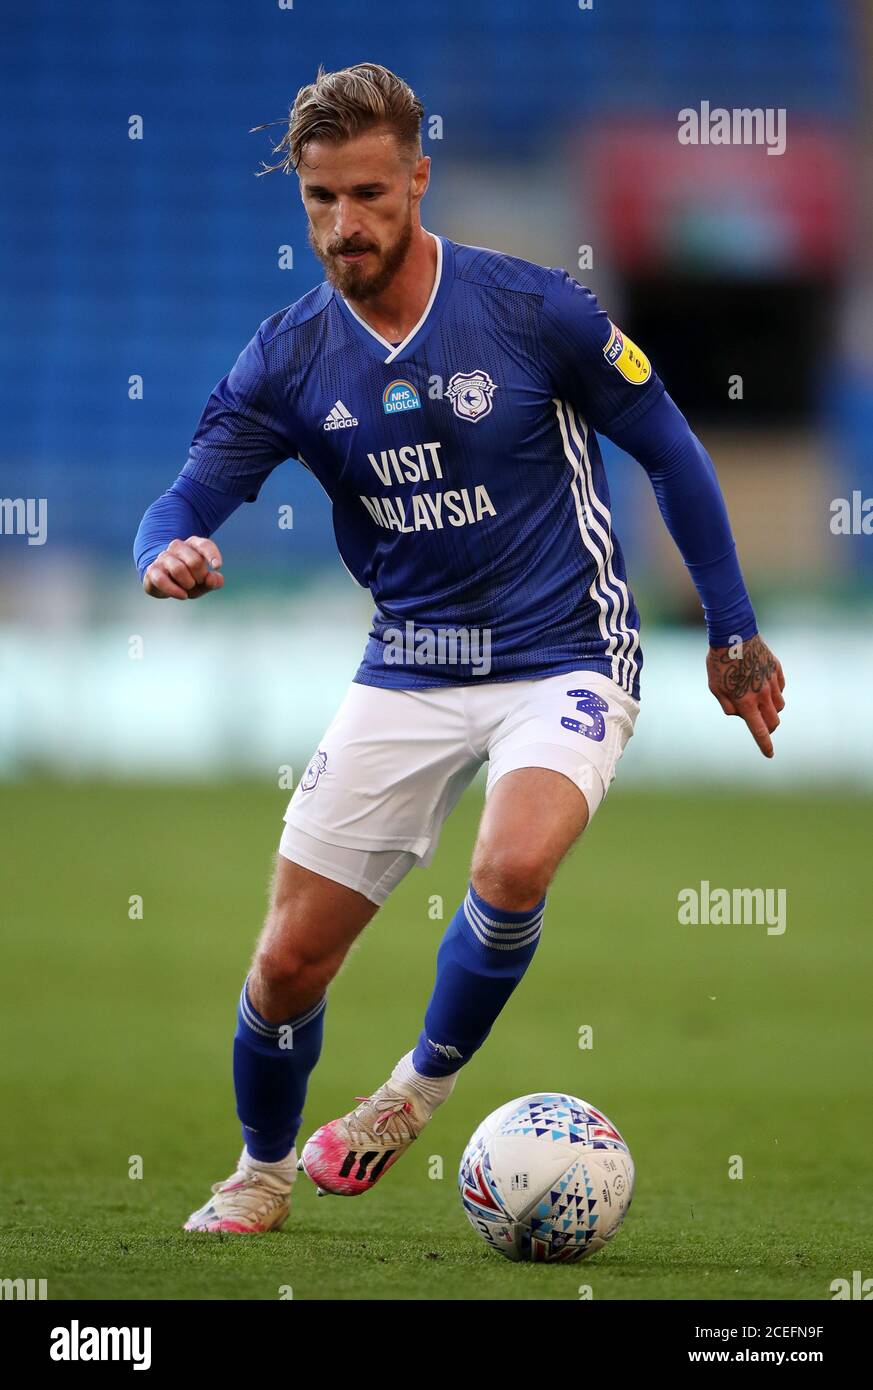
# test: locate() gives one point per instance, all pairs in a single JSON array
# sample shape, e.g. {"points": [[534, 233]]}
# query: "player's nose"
{"points": [[348, 223]]}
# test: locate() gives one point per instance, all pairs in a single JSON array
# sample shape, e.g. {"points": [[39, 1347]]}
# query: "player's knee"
{"points": [[513, 877], [287, 978]]}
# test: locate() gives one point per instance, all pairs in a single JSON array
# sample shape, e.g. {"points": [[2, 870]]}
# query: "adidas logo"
{"points": [[363, 1161], [339, 418]]}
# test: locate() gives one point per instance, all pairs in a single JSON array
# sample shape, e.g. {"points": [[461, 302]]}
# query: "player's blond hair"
{"points": [[339, 105]]}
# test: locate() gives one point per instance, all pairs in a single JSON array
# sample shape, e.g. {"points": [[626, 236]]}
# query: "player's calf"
{"points": [[279, 1029]]}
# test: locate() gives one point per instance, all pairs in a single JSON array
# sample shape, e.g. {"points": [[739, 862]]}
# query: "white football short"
{"points": [[393, 763]]}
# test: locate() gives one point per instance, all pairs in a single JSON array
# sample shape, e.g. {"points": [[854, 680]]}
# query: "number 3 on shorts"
{"points": [[592, 705]]}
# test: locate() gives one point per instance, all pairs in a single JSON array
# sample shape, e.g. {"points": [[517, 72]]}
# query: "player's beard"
{"points": [[353, 281]]}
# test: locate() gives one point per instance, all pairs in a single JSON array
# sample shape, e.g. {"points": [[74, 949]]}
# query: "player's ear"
{"points": [[421, 176]]}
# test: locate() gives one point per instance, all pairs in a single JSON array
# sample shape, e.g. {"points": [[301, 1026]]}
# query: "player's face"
{"points": [[361, 198]]}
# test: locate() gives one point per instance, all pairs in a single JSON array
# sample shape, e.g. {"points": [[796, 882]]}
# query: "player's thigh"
{"points": [[313, 919], [552, 757], [530, 820], [369, 873], [311, 922], [385, 775], [577, 724]]}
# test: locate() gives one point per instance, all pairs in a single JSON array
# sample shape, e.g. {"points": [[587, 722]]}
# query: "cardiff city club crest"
{"points": [[470, 394], [314, 770]]}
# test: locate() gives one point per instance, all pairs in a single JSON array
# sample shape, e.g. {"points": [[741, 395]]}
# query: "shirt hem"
{"points": [[393, 678]]}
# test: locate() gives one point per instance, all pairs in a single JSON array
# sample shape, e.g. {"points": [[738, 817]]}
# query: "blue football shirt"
{"points": [[463, 468]]}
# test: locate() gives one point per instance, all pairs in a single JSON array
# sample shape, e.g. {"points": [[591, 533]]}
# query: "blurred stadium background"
{"points": [[557, 131]]}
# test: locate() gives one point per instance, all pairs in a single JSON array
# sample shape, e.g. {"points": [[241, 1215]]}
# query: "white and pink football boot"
{"points": [[348, 1156], [250, 1202]]}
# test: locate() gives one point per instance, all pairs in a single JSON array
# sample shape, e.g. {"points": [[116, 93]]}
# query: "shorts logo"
{"points": [[400, 396], [627, 358], [470, 394], [313, 771]]}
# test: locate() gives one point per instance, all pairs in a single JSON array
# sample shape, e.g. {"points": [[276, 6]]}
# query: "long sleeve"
{"points": [[690, 500], [241, 437], [594, 364], [188, 508]]}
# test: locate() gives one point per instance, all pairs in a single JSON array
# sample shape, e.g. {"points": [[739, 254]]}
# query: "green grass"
{"points": [[708, 1042]]}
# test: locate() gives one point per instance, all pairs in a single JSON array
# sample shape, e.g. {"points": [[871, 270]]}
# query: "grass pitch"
{"points": [[709, 1042]]}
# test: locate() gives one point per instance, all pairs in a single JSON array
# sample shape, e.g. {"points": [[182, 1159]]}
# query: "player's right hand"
{"points": [[186, 569]]}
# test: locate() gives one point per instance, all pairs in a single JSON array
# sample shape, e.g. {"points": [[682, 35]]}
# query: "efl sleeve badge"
{"points": [[627, 358]]}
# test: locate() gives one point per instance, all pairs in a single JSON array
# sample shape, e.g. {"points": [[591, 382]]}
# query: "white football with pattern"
{"points": [[546, 1178]]}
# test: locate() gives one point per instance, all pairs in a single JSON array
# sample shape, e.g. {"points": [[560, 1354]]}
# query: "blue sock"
{"points": [[271, 1066], [481, 959]]}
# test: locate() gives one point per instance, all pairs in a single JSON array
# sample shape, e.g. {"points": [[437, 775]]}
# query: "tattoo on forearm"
{"points": [[737, 675]]}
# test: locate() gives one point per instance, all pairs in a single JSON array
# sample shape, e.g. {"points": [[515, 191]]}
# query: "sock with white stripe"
{"points": [[271, 1067], [481, 959]]}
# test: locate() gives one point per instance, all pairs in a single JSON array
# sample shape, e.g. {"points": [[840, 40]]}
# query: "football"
{"points": [[546, 1177]]}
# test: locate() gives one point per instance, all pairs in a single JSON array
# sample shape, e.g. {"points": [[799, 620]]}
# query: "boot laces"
{"points": [[387, 1108]]}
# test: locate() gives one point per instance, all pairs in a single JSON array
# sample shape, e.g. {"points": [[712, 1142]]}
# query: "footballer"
{"points": [[448, 399]]}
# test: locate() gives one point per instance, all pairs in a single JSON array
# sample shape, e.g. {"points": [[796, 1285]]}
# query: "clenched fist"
{"points": [[186, 569]]}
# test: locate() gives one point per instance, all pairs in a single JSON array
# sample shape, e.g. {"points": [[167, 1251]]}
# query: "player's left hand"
{"points": [[747, 680]]}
